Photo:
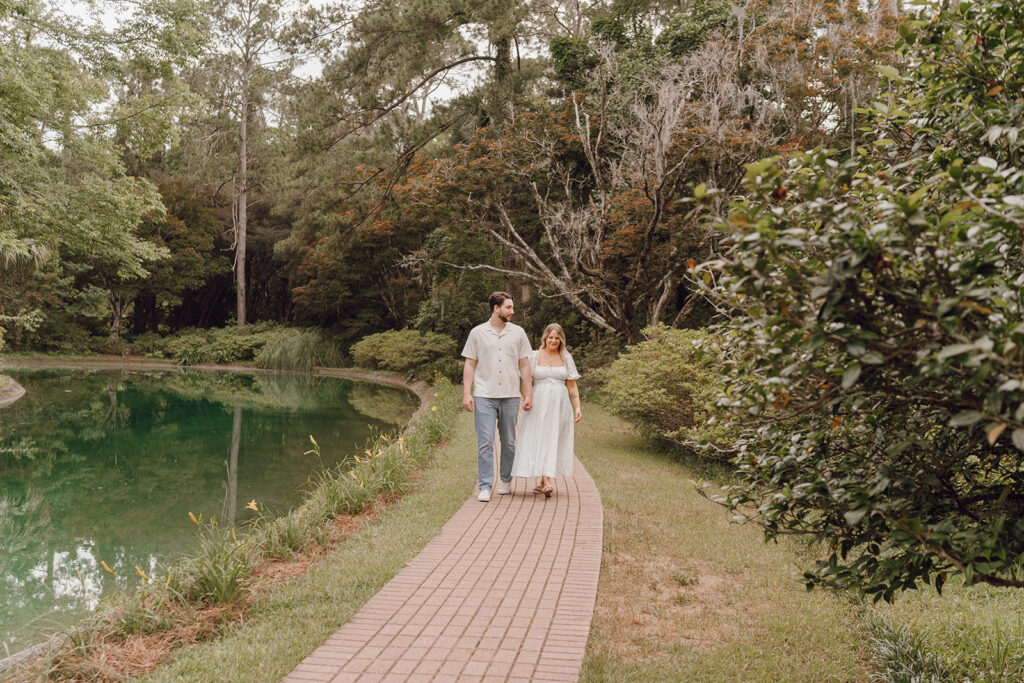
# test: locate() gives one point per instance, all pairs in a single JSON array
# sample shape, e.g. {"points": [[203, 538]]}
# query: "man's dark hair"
{"points": [[498, 298]]}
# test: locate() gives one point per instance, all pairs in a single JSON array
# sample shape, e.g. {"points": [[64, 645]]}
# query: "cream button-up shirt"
{"points": [[497, 357]]}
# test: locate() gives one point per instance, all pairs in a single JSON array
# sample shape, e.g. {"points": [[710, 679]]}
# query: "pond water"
{"points": [[99, 466]]}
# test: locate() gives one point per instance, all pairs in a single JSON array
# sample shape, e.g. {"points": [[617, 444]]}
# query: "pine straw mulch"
{"points": [[110, 656]]}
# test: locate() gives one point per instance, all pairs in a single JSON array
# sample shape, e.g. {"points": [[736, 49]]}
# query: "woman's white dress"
{"points": [[544, 446]]}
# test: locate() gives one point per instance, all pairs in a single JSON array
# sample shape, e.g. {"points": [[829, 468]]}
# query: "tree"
{"points": [[587, 199], [63, 189], [876, 323], [189, 231]]}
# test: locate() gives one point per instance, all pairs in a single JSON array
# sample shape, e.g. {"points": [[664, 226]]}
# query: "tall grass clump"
{"points": [[970, 632], [298, 350], [217, 572]]}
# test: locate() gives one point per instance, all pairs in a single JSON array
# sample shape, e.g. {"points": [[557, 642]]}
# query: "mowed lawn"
{"points": [[687, 595]]}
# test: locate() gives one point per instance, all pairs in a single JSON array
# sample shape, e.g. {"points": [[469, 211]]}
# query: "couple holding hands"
{"points": [[498, 360]]}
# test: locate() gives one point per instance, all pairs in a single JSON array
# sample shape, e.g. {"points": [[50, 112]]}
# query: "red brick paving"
{"points": [[505, 592]]}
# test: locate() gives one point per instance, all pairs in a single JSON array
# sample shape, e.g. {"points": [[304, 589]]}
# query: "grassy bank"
{"points": [[686, 595], [294, 618], [223, 581]]}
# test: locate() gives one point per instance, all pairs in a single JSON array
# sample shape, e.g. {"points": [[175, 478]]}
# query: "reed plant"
{"points": [[220, 567], [297, 350]]}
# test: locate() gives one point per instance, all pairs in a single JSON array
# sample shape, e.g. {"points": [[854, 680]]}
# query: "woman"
{"points": [[544, 445]]}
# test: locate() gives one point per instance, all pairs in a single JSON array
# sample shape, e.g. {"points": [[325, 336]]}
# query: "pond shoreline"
{"points": [[421, 389], [10, 391]]}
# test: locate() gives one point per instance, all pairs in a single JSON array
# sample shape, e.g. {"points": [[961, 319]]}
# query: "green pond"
{"points": [[99, 466]]}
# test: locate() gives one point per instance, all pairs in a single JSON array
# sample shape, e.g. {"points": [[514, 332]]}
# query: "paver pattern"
{"points": [[505, 592]]}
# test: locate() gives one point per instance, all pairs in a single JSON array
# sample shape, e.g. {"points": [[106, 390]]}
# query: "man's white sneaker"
{"points": [[485, 496], [504, 489]]}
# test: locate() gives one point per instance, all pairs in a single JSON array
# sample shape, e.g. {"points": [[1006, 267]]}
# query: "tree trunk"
{"points": [[243, 180], [117, 308]]}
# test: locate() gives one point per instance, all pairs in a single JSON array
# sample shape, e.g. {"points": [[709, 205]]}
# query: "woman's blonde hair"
{"points": [[557, 329]]}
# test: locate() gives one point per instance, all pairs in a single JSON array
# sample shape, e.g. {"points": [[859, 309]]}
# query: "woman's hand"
{"points": [[578, 416]]}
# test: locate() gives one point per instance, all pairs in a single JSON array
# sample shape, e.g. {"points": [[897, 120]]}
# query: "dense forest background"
{"points": [[168, 164]]}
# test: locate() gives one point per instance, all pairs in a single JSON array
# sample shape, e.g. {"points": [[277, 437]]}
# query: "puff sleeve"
{"points": [[570, 367]]}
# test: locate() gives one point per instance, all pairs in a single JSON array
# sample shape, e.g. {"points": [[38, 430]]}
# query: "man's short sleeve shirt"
{"points": [[497, 357]]}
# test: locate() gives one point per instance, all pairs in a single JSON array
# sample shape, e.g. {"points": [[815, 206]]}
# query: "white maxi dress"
{"points": [[544, 446]]}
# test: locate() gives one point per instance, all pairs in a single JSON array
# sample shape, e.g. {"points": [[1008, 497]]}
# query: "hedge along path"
{"points": [[506, 591]]}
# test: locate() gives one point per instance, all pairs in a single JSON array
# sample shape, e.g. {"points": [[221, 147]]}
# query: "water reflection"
{"points": [[106, 467]]}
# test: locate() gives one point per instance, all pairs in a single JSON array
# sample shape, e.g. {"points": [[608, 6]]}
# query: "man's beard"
{"points": [[507, 317]]}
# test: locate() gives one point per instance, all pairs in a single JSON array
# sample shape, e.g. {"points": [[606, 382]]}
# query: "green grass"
{"points": [[294, 618], [686, 595], [973, 633]]}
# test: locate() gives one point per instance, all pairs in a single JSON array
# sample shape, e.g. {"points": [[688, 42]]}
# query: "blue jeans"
{"points": [[487, 413]]}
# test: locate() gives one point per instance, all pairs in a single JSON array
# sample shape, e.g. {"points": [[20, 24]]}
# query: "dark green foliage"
{"points": [[609, 30], [668, 386], [687, 30], [571, 59], [410, 352], [878, 327]]}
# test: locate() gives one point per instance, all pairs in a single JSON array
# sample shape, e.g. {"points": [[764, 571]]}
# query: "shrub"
{"points": [[297, 350], [150, 344], [409, 352], [595, 359], [668, 386], [875, 297], [108, 346], [220, 345]]}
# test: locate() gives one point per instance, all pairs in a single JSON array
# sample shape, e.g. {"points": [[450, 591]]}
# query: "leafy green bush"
{"points": [[668, 387], [150, 344], [876, 298], [409, 352], [297, 350], [105, 345], [219, 345]]}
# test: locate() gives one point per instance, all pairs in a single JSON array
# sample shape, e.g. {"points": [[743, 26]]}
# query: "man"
{"points": [[496, 355]]}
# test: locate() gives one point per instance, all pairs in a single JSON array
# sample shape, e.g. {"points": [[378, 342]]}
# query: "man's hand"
{"points": [[467, 402], [528, 402]]}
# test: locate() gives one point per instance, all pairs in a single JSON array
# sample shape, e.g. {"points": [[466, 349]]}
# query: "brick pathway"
{"points": [[505, 592]]}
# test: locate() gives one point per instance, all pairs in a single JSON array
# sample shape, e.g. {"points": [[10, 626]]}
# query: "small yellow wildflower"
{"points": [[142, 574], [401, 442], [357, 459], [433, 408], [314, 441], [352, 473], [107, 569], [253, 506], [193, 518], [368, 453]]}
